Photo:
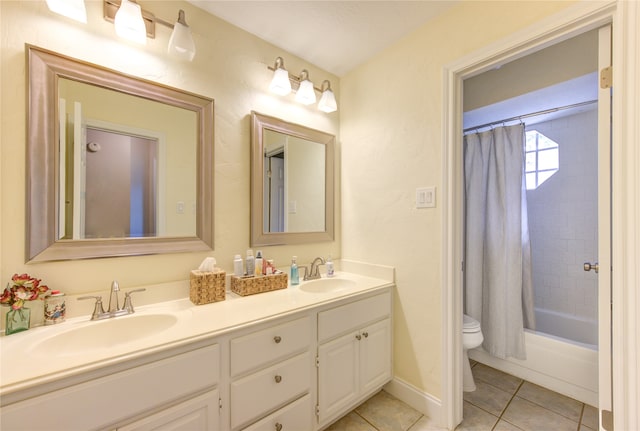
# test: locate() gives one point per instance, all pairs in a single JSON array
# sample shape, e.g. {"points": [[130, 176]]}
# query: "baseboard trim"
{"points": [[425, 403]]}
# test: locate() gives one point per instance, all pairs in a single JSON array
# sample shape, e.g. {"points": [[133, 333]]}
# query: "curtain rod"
{"points": [[533, 114]]}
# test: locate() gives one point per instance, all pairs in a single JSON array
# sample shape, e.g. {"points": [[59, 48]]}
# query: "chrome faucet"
{"points": [[114, 309], [314, 269]]}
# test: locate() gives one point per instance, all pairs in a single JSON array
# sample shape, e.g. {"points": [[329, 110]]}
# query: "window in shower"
{"points": [[541, 158]]}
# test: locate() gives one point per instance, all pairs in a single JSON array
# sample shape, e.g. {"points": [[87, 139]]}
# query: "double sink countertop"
{"points": [[48, 353]]}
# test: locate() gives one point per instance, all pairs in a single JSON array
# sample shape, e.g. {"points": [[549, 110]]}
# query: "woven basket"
{"points": [[207, 287], [250, 285]]}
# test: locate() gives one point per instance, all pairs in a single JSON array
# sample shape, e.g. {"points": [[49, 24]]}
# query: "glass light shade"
{"points": [[129, 22], [328, 102], [73, 9], [306, 94], [181, 43], [280, 83]]}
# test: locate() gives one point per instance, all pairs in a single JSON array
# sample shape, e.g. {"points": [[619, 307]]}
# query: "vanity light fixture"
{"points": [[73, 9], [280, 83], [283, 83], [328, 99], [136, 24]]}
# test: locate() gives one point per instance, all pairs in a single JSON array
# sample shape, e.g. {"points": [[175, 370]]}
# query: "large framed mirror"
{"points": [[292, 195], [116, 165]]}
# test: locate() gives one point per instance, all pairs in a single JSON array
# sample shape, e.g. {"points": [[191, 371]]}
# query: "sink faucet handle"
{"points": [[128, 305], [97, 309]]}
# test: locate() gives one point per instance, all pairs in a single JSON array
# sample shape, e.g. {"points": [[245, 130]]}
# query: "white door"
{"points": [[604, 231]]}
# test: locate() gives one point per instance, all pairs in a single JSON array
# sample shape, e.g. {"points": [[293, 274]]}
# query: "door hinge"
{"points": [[607, 420], [220, 403], [317, 362], [606, 77], [318, 410]]}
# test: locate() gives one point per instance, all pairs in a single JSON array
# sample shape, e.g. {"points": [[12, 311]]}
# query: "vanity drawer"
{"points": [[296, 416], [268, 389], [348, 317], [268, 345]]}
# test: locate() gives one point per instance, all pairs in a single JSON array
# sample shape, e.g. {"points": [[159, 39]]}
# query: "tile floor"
{"points": [[501, 402]]}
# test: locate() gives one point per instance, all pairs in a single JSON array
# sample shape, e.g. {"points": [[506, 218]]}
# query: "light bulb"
{"points": [[328, 101], [280, 83], [181, 43], [306, 94], [73, 9]]}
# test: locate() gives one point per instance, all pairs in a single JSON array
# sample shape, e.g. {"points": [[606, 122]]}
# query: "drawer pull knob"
{"points": [[278, 379], [277, 339], [358, 337], [278, 426], [366, 334]]}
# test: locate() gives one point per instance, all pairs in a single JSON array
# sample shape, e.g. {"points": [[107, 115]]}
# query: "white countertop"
{"points": [[25, 364]]}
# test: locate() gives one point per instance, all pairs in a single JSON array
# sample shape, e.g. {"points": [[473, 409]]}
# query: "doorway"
{"points": [[575, 23]]}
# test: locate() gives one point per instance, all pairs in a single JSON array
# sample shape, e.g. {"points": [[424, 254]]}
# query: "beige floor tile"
{"points": [[506, 426], [590, 417], [496, 378], [426, 424], [476, 419], [488, 397], [567, 407], [531, 417], [387, 413], [351, 422]]}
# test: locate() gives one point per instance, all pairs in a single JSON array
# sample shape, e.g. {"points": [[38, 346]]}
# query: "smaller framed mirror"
{"points": [[292, 196]]}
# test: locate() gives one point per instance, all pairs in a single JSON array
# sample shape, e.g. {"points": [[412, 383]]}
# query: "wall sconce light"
{"points": [[281, 84], [73, 9], [135, 24]]}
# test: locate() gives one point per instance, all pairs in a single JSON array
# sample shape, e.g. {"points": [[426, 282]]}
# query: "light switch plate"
{"points": [[426, 197]]}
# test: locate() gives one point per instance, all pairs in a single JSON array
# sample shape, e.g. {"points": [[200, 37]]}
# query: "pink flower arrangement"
{"points": [[22, 288]]}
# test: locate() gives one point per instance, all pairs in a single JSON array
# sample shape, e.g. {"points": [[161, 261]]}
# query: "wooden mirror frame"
{"points": [[259, 237], [44, 69]]}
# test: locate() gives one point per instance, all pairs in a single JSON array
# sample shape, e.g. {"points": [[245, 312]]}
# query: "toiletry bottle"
{"points": [[250, 263], [329, 266], [237, 266], [258, 267], [295, 279], [269, 267]]}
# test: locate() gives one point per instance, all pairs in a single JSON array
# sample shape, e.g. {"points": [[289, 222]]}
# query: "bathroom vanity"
{"points": [[293, 359]]}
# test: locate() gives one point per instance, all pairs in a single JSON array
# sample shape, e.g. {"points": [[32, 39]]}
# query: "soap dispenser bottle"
{"points": [[250, 263], [329, 266], [237, 266], [295, 278]]}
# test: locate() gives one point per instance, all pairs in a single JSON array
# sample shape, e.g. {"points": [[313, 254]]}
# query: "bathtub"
{"points": [[554, 362]]}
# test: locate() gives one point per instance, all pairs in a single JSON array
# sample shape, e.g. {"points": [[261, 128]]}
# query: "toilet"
{"points": [[471, 338]]}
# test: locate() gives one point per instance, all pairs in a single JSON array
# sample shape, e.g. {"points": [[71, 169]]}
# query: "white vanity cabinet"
{"points": [[145, 397], [271, 375], [354, 354]]}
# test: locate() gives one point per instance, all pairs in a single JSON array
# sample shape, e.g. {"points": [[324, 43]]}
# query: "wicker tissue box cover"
{"points": [[206, 287], [250, 285]]}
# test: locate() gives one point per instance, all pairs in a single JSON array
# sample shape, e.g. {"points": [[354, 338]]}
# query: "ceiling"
{"points": [[334, 35]]}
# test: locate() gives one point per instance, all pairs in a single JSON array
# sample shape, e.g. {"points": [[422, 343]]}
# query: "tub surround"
{"points": [[25, 368]]}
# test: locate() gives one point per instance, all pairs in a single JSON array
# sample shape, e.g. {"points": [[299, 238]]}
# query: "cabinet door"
{"points": [[337, 374], [375, 355], [199, 413]]}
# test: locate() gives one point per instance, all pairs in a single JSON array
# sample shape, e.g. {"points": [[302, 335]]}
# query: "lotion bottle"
{"points": [[250, 263], [258, 263], [295, 278], [237, 266]]}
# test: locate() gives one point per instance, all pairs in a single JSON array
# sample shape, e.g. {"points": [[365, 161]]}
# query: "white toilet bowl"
{"points": [[471, 338]]}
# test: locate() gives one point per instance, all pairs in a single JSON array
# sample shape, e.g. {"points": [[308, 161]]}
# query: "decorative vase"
{"points": [[17, 320]]}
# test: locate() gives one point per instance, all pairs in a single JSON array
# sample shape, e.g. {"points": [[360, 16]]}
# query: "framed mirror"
{"points": [[116, 165], [292, 196]]}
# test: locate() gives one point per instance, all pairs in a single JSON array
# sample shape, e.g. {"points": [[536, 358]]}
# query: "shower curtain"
{"points": [[498, 286]]}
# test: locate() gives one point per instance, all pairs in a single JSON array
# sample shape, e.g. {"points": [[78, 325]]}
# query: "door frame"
{"points": [[576, 19]]}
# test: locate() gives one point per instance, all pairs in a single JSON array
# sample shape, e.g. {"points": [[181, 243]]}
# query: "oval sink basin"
{"points": [[105, 334], [326, 285]]}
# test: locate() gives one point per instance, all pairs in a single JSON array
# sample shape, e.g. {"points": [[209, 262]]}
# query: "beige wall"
{"points": [[230, 67], [391, 131]]}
